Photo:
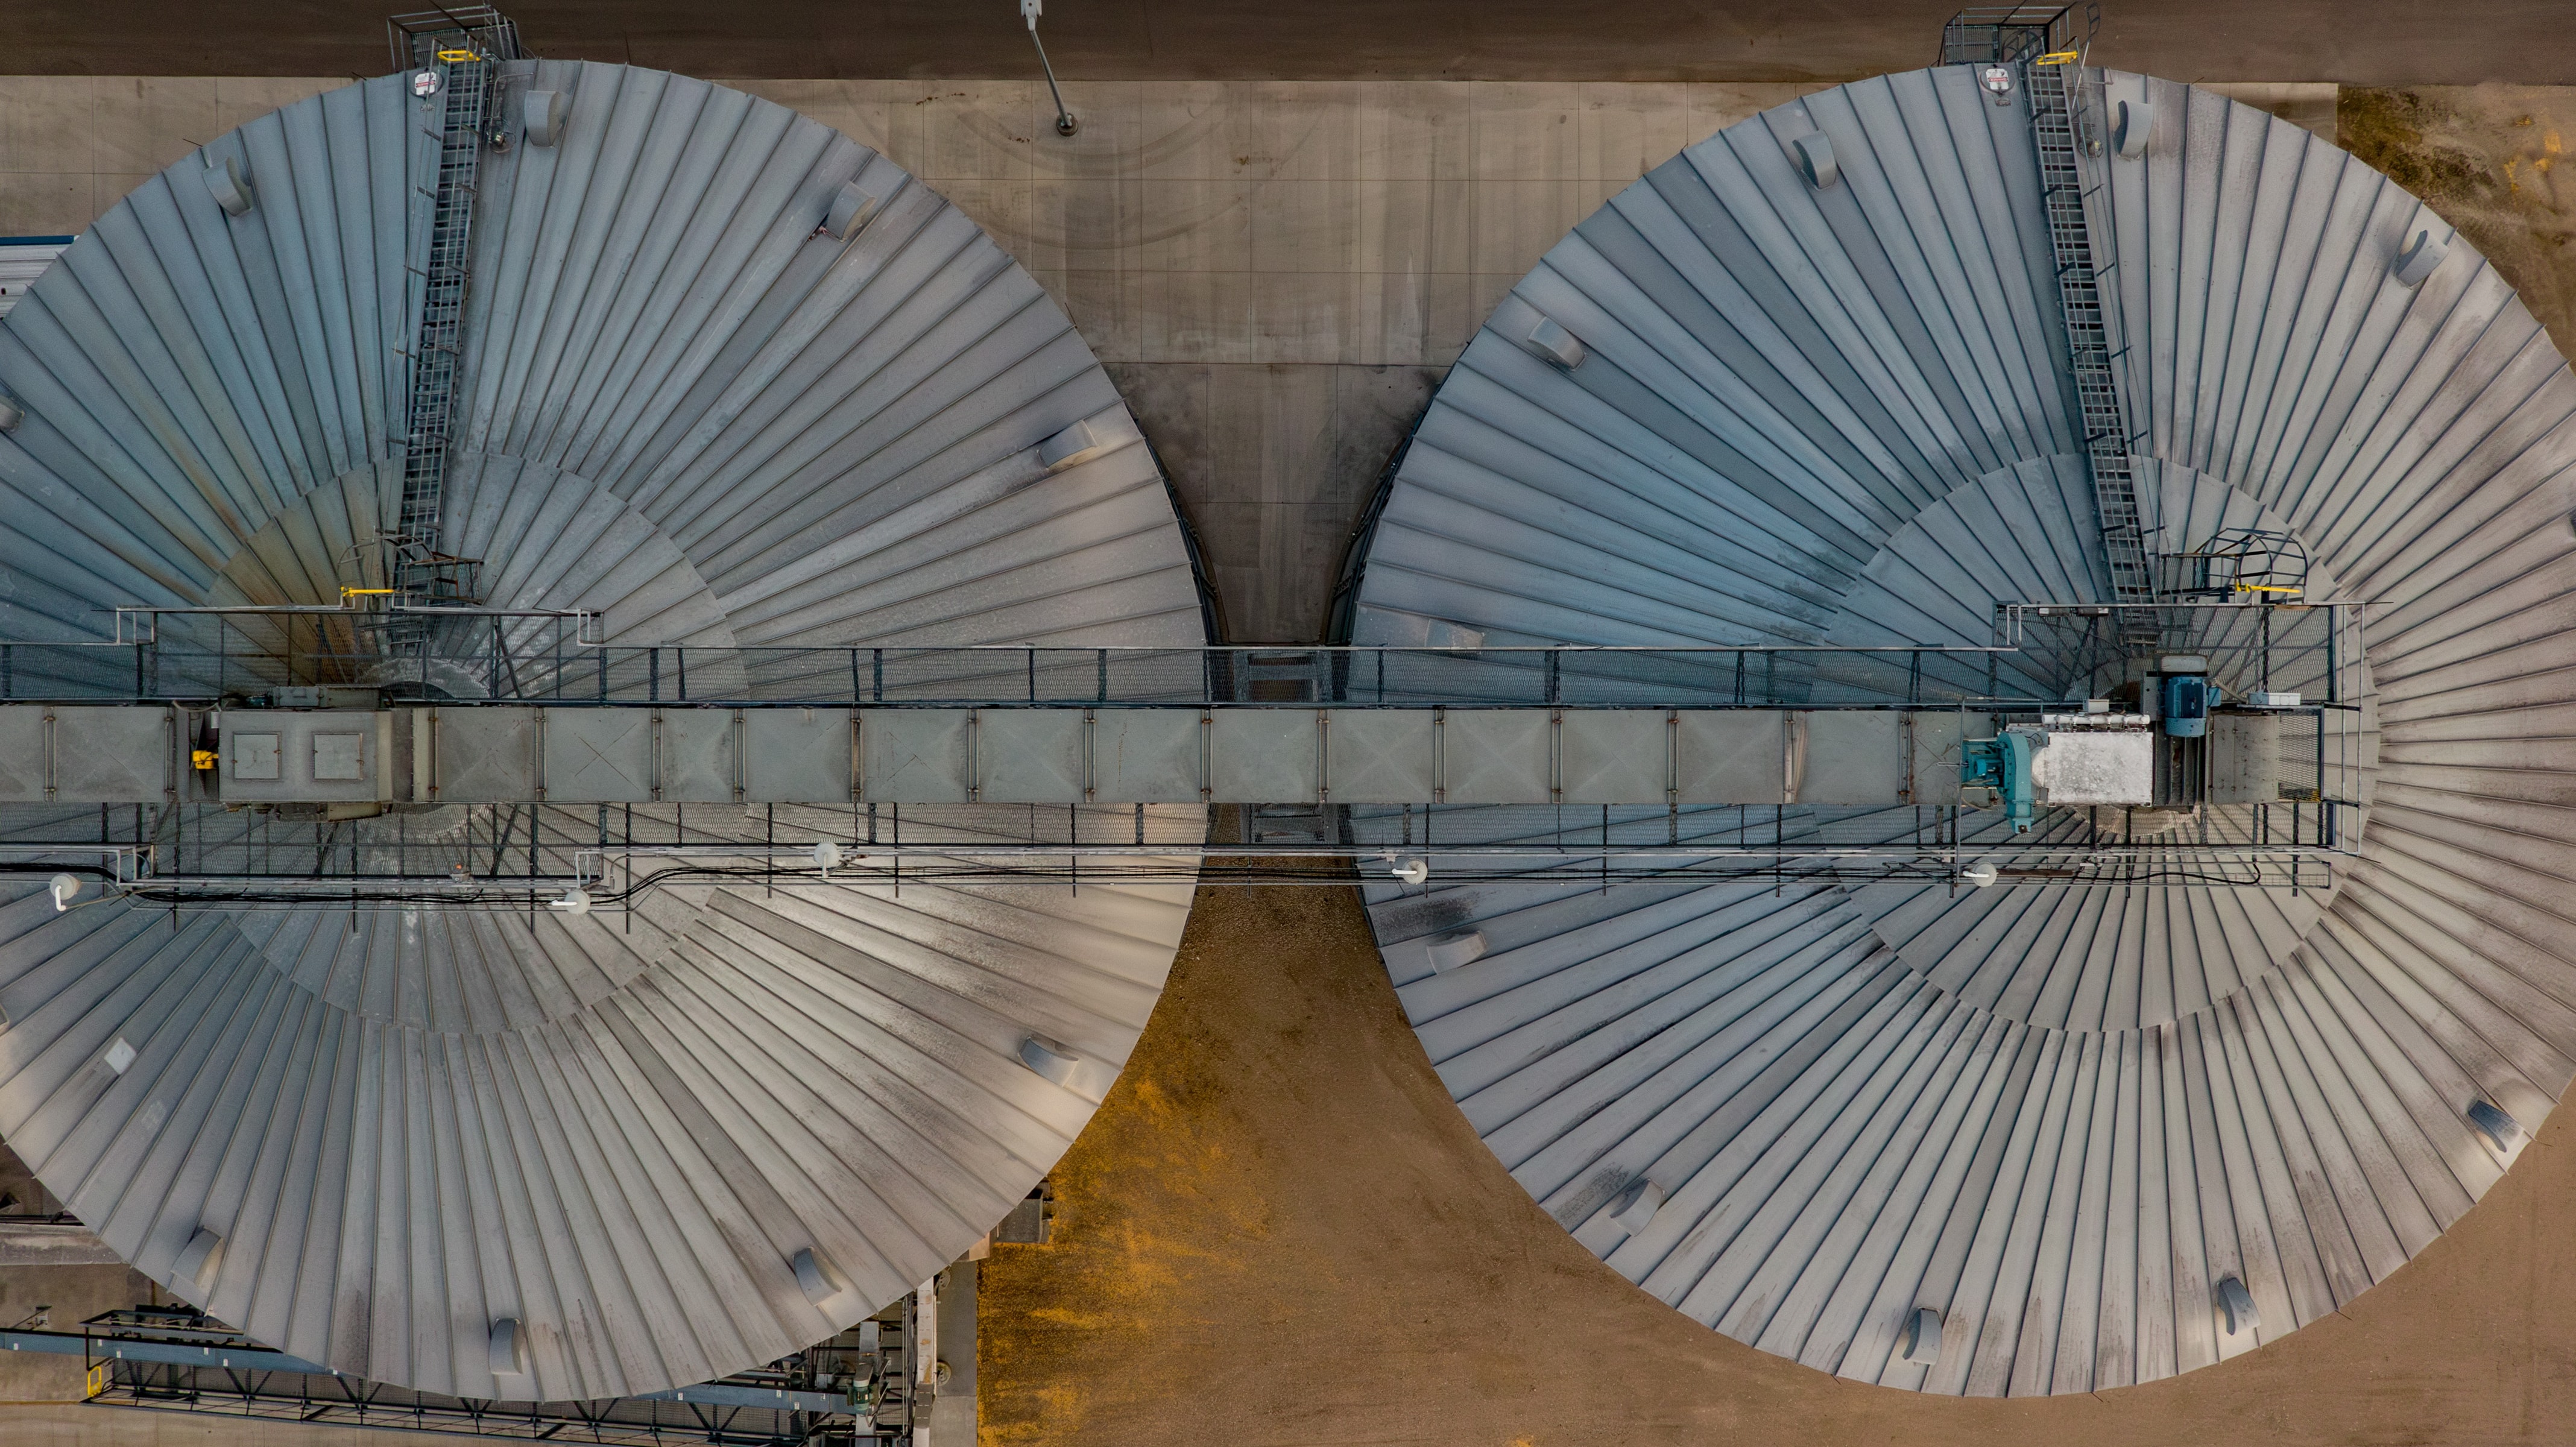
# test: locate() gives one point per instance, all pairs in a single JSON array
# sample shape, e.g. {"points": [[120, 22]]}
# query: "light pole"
{"points": [[1065, 124]]}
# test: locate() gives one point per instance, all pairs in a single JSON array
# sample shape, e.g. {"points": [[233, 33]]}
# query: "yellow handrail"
{"points": [[453, 56], [2060, 57]]}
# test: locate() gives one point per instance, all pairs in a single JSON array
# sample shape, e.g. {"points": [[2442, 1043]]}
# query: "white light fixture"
{"points": [[1981, 874], [1411, 870], [65, 888], [575, 901], [827, 855]]}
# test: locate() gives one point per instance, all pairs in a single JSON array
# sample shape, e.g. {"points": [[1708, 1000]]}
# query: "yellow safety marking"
{"points": [[2060, 57], [201, 758], [364, 592], [96, 1382], [457, 55]]}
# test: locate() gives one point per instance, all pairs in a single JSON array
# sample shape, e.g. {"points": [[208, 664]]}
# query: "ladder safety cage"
{"points": [[416, 39], [2016, 34]]}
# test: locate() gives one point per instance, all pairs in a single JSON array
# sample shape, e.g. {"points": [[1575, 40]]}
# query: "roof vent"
{"points": [[544, 112], [1072, 447], [231, 189], [11, 414], [1636, 1206], [1457, 947], [1556, 344], [2419, 259], [2238, 1304], [813, 1277], [1050, 1059], [852, 205], [1441, 633], [1814, 152], [503, 1348], [2500, 1129], [2132, 122], [197, 1259], [118, 1055], [1921, 1341]]}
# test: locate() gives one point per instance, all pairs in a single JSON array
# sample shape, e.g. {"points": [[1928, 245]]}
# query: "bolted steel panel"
{"points": [[599, 755], [697, 764], [1615, 756], [484, 755], [22, 751], [1149, 756], [1495, 756], [1857, 757], [796, 755], [1264, 756], [1030, 756], [1381, 756], [1732, 758], [112, 755], [914, 755]]}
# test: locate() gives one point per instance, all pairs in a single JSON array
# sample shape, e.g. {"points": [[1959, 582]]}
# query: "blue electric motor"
{"points": [[2003, 765], [2186, 699]]}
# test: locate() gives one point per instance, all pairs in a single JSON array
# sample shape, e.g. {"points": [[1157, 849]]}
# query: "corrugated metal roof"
{"points": [[690, 408], [22, 260], [2061, 1120]]}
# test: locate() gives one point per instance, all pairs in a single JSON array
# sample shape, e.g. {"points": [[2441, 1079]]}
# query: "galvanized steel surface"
{"points": [[2063, 1121], [688, 407]]}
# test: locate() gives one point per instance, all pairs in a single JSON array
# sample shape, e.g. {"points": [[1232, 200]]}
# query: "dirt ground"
{"points": [[2489, 159], [2358, 41], [1280, 1230]]}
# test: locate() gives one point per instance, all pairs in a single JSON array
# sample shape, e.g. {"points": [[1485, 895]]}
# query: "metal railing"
{"points": [[2015, 34], [517, 659], [179, 1359], [415, 39], [522, 858]]}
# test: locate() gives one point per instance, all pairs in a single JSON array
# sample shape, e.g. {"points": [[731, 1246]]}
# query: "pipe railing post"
{"points": [[1065, 124]]}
